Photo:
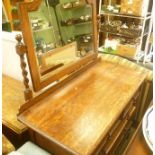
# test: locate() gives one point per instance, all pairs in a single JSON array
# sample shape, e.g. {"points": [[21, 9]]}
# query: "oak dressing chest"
{"points": [[90, 104]]}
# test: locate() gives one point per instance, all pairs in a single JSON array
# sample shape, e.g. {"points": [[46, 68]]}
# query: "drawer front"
{"points": [[121, 127], [133, 102], [117, 134]]}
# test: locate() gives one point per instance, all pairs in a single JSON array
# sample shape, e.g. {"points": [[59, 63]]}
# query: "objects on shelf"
{"points": [[131, 30], [85, 18], [50, 46], [71, 40], [67, 5], [134, 7], [110, 46], [112, 43], [110, 8], [131, 41], [72, 21], [111, 26], [77, 3], [128, 50], [71, 5], [121, 46], [38, 23], [129, 7], [84, 44], [42, 46], [117, 26]]}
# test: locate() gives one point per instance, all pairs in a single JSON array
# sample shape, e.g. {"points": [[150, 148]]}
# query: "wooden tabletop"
{"points": [[12, 98], [79, 114]]}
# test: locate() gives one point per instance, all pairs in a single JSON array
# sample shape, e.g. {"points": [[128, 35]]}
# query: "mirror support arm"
{"points": [[21, 51]]}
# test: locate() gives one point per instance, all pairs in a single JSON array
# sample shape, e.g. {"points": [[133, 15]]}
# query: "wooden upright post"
{"points": [[21, 51]]}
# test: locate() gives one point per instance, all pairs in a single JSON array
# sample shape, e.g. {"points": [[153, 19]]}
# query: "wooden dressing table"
{"points": [[92, 104], [89, 114]]}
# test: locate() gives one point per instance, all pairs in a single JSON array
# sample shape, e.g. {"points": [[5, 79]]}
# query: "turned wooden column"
{"points": [[21, 51]]}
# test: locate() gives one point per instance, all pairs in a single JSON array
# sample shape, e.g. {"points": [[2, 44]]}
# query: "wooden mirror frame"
{"points": [[38, 82]]}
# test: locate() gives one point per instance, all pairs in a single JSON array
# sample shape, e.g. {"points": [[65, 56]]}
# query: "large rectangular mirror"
{"points": [[59, 35]]}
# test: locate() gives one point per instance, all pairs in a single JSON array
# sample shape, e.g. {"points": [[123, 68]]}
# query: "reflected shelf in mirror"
{"points": [[47, 37], [43, 29]]}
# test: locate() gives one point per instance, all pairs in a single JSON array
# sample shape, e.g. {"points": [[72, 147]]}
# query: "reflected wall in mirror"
{"points": [[62, 33]]}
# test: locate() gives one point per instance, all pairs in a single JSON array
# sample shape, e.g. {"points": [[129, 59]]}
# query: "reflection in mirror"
{"points": [[62, 33]]}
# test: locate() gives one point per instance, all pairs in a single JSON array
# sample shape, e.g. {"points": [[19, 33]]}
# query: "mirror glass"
{"points": [[62, 32]]}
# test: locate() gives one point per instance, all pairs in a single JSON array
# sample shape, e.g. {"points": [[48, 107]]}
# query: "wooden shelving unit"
{"points": [[145, 20]]}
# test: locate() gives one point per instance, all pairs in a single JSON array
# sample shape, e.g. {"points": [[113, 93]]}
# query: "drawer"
{"points": [[130, 115], [127, 110], [133, 102], [109, 145], [115, 134], [121, 127], [112, 131], [108, 137], [117, 144], [136, 96], [130, 118]]}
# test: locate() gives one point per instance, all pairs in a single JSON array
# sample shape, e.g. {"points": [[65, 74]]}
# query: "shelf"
{"points": [[119, 34], [80, 23], [145, 19], [77, 7], [83, 23], [100, 49], [43, 29], [139, 55], [131, 59], [123, 15]]}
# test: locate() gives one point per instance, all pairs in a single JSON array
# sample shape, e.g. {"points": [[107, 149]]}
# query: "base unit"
{"points": [[109, 146]]}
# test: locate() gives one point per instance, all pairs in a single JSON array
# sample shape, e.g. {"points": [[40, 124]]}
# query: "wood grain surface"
{"points": [[12, 99], [80, 113]]}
